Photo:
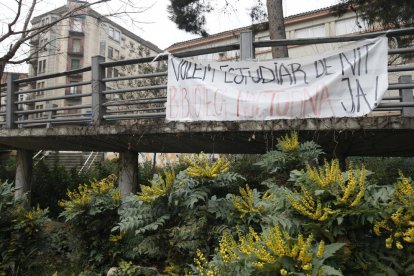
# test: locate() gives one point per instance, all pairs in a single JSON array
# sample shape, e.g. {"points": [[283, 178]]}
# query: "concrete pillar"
{"points": [[128, 173], [23, 182]]}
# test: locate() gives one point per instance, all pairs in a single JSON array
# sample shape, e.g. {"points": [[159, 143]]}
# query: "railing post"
{"points": [[246, 45], [98, 73], [406, 95], [51, 114], [11, 98]]}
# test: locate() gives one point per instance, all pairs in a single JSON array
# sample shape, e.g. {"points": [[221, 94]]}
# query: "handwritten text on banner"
{"points": [[348, 82]]}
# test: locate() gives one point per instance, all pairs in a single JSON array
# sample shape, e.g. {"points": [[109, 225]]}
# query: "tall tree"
{"points": [[189, 15], [16, 30]]}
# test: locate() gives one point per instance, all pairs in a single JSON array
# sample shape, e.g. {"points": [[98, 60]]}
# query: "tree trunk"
{"points": [[277, 26], [2, 68]]}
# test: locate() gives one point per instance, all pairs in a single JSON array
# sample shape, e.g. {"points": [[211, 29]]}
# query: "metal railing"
{"points": [[107, 98]]}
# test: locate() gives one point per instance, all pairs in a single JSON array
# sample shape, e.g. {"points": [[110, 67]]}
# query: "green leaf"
{"points": [[331, 249], [329, 270]]}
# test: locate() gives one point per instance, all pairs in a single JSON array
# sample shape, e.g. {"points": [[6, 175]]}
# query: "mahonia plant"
{"points": [[273, 250], [200, 166], [250, 202], [348, 190], [399, 224], [86, 198], [159, 186]]}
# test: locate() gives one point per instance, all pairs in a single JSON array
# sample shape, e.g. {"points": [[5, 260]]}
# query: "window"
{"points": [[116, 73], [113, 53], [40, 84], [114, 34], [41, 67], [76, 45], [39, 114], [110, 52], [73, 89], [109, 72], [76, 25], [116, 54], [316, 31], [349, 26], [45, 21], [75, 64], [43, 44]]}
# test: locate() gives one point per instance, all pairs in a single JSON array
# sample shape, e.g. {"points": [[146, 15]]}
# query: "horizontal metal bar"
{"points": [[112, 111], [387, 109], [401, 51], [192, 53], [396, 86], [53, 109], [141, 101], [400, 104], [2, 123], [2, 113], [72, 115], [54, 75], [398, 98], [53, 123], [322, 40], [401, 68], [161, 74], [135, 116], [143, 88], [53, 120], [54, 98], [54, 87]]}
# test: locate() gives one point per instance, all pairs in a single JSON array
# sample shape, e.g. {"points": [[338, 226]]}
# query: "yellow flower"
{"points": [[158, 188], [327, 175], [321, 249], [403, 189], [356, 182], [388, 242], [200, 166], [289, 143], [228, 247], [283, 272], [246, 203], [399, 245], [307, 267]]}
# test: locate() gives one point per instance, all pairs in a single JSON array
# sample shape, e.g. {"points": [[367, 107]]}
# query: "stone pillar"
{"points": [[23, 182], [128, 173]]}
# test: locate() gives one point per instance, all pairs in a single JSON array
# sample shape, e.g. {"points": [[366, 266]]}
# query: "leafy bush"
{"points": [[91, 212], [20, 231], [176, 214]]}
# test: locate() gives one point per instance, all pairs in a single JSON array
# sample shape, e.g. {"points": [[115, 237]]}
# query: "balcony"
{"points": [[76, 32], [75, 53]]}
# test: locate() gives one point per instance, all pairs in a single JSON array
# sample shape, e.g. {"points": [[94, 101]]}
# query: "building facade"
{"points": [[69, 45], [317, 23]]}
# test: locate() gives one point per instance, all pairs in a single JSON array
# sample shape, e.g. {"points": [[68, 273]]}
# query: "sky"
{"points": [[153, 23]]}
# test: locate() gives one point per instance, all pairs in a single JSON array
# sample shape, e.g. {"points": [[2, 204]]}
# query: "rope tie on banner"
{"points": [[165, 53]]}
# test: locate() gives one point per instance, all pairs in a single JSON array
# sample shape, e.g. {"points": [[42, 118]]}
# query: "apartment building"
{"points": [[70, 45]]}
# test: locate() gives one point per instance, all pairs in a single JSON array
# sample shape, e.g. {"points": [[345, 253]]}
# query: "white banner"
{"points": [[348, 82]]}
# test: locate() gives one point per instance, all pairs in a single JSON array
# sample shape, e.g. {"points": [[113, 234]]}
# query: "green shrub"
{"points": [[20, 232], [91, 211]]}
